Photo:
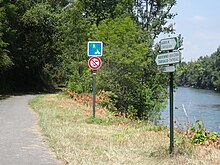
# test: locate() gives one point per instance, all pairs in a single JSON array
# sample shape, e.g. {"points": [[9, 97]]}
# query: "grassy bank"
{"points": [[76, 138]]}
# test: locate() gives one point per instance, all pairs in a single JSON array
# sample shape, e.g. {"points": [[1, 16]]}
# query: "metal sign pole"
{"points": [[94, 49], [171, 116], [169, 55], [94, 91]]}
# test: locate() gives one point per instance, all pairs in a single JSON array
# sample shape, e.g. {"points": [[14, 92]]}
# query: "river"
{"points": [[200, 104]]}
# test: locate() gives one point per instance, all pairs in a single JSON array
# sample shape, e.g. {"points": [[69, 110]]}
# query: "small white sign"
{"points": [[169, 44], [169, 68]]}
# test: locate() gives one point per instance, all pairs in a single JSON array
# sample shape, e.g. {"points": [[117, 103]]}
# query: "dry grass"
{"points": [[77, 141]]}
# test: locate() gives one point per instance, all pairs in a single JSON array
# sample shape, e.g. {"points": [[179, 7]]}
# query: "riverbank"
{"points": [[195, 87], [76, 138], [200, 104]]}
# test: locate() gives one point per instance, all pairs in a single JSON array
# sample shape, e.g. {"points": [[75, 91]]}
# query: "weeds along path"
{"points": [[20, 142], [109, 139]]}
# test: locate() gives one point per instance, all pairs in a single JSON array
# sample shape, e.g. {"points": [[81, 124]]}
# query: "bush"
{"points": [[80, 83], [199, 135]]}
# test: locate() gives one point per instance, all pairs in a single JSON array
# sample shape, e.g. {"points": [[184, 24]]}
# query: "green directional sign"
{"points": [[169, 44], [168, 58]]}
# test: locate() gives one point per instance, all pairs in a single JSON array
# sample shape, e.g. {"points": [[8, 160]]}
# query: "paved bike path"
{"points": [[20, 142]]}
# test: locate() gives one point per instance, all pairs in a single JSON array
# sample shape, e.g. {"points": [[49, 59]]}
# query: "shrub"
{"points": [[80, 83], [199, 135]]}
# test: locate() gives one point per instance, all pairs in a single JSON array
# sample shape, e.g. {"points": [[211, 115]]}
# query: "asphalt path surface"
{"points": [[20, 140]]}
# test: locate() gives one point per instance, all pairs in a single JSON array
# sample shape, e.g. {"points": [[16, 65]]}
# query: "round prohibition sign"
{"points": [[95, 63]]}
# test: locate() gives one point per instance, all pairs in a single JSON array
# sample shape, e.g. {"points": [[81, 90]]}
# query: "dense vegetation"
{"points": [[43, 45], [202, 73]]}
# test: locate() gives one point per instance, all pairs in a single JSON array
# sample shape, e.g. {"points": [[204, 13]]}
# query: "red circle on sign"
{"points": [[95, 63]]}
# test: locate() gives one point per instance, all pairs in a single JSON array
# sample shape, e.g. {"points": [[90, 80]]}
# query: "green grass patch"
{"points": [[98, 120]]}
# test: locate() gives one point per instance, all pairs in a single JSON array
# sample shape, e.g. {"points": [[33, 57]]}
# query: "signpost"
{"points": [[169, 57], [171, 116], [169, 68], [95, 63], [94, 49], [169, 44]]}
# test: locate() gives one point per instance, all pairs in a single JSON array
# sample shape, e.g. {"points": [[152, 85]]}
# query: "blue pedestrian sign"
{"points": [[94, 48]]}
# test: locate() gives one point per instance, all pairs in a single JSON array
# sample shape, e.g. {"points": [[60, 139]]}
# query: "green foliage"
{"points": [[28, 34], [98, 120], [71, 41], [195, 135], [203, 73], [122, 71], [39, 24], [200, 135], [153, 16], [155, 128], [5, 60], [100, 10], [80, 83], [46, 43]]}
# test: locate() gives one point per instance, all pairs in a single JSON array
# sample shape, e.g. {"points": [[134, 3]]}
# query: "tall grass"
{"points": [[77, 138]]}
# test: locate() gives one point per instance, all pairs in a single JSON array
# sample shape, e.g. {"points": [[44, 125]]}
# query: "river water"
{"points": [[200, 104]]}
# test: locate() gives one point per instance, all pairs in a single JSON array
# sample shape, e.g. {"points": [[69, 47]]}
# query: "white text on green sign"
{"points": [[169, 44], [168, 58]]}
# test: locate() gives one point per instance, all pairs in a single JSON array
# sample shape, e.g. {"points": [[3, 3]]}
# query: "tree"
{"points": [[153, 15], [203, 73], [71, 40], [53, 3], [128, 31], [10, 40], [122, 70], [100, 10], [39, 24], [28, 34], [5, 60]]}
